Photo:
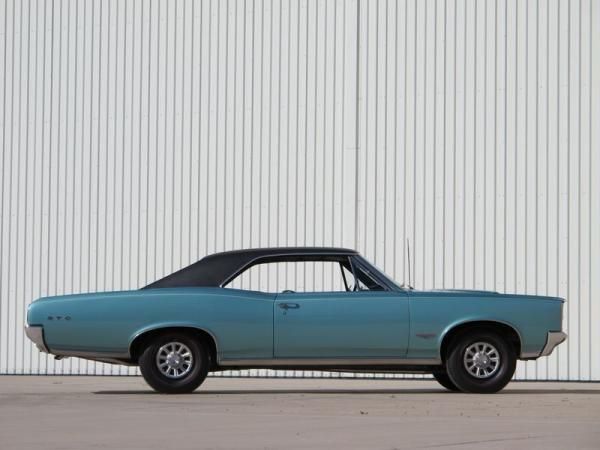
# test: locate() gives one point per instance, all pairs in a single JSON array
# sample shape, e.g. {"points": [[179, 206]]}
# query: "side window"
{"points": [[300, 276]]}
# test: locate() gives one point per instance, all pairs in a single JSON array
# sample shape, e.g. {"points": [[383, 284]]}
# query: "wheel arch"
{"points": [[140, 338], [503, 328]]}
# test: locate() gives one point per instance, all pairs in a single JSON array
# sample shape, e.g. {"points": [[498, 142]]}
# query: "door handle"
{"points": [[287, 306]]}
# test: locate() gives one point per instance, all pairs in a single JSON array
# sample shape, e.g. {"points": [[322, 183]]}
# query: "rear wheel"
{"points": [[443, 378], [481, 362], [174, 363]]}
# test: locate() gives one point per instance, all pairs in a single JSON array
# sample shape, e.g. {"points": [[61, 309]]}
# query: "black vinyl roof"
{"points": [[219, 268]]}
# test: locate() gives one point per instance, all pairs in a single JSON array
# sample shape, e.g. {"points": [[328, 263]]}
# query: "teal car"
{"points": [[201, 319]]}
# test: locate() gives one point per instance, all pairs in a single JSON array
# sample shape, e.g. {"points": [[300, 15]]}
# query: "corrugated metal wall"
{"points": [[138, 136]]}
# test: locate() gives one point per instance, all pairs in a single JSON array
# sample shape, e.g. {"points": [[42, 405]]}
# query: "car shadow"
{"points": [[353, 392], [291, 391]]}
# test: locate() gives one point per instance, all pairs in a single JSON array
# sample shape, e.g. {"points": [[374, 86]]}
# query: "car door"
{"points": [[356, 324]]}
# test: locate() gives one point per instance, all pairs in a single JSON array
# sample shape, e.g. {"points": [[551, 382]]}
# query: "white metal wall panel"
{"points": [[138, 136]]}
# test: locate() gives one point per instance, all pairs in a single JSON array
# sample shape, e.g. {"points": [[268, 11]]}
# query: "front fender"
{"points": [[473, 320]]}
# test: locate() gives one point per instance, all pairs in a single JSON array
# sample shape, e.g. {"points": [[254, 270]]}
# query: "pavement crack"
{"points": [[482, 441]]}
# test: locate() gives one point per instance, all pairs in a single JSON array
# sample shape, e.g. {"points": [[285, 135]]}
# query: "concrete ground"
{"points": [[122, 413]]}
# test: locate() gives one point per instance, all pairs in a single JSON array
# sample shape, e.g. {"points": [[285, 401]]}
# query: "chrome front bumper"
{"points": [[552, 340], [35, 333]]}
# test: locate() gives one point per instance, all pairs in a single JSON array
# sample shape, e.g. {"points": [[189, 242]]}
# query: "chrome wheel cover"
{"points": [[481, 360], [174, 360]]}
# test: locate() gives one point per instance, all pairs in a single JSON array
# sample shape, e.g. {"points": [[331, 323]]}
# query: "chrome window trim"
{"points": [[256, 261]]}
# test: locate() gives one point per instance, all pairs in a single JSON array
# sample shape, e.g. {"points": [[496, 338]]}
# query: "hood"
{"points": [[466, 291]]}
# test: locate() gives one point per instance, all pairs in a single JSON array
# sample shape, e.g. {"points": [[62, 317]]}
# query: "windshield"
{"points": [[375, 272]]}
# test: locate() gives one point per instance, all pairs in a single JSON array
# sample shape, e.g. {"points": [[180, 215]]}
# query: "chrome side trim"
{"points": [[331, 362], [112, 358], [552, 340], [35, 333], [90, 355]]}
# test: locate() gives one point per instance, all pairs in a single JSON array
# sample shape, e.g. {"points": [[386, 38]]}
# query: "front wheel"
{"points": [[174, 363], [481, 362]]}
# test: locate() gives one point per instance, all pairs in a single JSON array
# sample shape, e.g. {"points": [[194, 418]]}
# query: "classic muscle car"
{"points": [[192, 322]]}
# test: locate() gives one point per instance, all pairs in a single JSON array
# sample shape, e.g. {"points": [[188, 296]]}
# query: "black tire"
{"points": [[443, 378], [182, 379], [477, 379]]}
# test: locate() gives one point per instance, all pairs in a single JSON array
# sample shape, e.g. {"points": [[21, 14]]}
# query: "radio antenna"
{"points": [[410, 286], [404, 285]]}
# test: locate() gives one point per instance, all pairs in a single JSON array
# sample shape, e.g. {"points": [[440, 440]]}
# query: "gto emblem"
{"points": [[59, 317], [426, 335]]}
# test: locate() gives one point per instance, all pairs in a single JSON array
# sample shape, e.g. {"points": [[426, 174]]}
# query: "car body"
{"points": [[371, 324]]}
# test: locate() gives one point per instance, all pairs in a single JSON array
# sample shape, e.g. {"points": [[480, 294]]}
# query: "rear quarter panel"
{"points": [[240, 321], [433, 314]]}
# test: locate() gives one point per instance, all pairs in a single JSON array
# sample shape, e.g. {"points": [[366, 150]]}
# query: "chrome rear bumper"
{"points": [[552, 340], [36, 334]]}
